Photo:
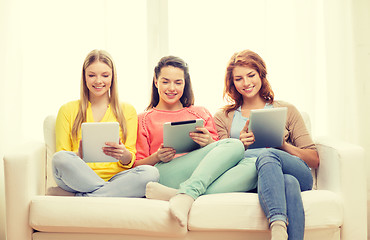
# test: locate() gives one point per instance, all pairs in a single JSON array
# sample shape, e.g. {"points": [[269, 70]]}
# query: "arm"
{"points": [[118, 151], [207, 134], [144, 156], [246, 137], [221, 122], [162, 155], [298, 141], [310, 156], [210, 126], [63, 126], [128, 149]]}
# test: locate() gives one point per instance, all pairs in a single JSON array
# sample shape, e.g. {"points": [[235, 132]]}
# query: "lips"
{"points": [[249, 89], [99, 87], [171, 95]]}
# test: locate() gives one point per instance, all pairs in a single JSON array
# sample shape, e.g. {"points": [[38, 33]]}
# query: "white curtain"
{"points": [[317, 54]]}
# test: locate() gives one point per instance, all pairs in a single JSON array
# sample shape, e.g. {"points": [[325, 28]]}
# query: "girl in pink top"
{"points": [[183, 178]]}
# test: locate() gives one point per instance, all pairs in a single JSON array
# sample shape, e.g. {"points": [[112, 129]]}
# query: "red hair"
{"points": [[245, 58]]}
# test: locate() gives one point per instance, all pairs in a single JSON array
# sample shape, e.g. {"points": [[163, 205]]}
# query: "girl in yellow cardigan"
{"points": [[99, 103]]}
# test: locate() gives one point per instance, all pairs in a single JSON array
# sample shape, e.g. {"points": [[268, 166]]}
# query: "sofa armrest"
{"points": [[342, 170], [24, 174]]}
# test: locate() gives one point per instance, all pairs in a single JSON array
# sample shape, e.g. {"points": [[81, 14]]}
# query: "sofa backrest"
{"points": [[51, 187]]}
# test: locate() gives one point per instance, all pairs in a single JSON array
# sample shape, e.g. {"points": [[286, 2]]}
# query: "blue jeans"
{"points": [[72, 174], [281, 178]]}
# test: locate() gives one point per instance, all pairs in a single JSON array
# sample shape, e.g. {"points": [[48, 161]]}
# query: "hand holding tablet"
{"points": [[176, 135], [268, 127], [94, 137]]}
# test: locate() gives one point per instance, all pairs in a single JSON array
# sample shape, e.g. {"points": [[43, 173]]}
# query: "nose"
{"points": [[99, 79], [247, 81], [172, 86]]}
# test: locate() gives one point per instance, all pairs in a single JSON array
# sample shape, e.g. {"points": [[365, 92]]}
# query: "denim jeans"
{"points": [[281, 178], [215, 168], [72, 174]]}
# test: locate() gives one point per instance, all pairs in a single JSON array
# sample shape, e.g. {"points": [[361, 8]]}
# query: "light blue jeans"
{"points": [[72, 174], [216, 168], [281, 178]]}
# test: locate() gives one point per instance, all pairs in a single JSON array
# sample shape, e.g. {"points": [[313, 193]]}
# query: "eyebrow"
{"points": [[106, 72], [251, 72], [180, 79]]}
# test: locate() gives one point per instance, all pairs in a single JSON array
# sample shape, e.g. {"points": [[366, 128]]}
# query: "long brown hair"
{"points": [[104, 57], [187, 98], [245, 58]]}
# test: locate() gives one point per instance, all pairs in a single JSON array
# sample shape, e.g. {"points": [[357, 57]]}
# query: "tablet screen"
{"points": [[176, 135], [94, 137], [268, 127]]}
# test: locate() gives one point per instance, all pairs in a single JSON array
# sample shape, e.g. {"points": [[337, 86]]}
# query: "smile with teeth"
{"points": [[249, 89], [171, 94], [99, 87]]}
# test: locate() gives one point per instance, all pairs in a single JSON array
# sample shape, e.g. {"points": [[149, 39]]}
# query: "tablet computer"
{"points": [[268, 126], [94, 137], [176, 135]]}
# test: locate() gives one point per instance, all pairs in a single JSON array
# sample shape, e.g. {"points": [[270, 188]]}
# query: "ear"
{"points": [[155, 80]]}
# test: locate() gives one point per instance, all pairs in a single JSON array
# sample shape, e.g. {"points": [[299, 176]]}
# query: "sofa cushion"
{"points": [[137, 216], [242, 211]]}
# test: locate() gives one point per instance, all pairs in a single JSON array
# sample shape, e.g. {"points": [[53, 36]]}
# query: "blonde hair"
{"points": [[104, 57]]}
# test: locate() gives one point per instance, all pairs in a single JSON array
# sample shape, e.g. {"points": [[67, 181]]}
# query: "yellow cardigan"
{"points": [[63, 131]]}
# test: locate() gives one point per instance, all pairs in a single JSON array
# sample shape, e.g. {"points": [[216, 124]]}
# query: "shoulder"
{"points": [[199, 110], [69, 108], [68, 112], [294, 116], [291, 108], [221, 114], [280, 103], [145, 115], [70, 105]]}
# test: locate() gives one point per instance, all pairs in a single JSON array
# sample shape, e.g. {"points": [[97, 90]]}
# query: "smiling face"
{"points": [[247, 82], [170, 84], [98, 77]]}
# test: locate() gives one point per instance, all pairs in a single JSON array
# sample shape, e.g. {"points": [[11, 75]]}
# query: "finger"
{"points": [[245, 128], [199, 140], [113, 154], [166, 157], [114, 144], [113, 150], [167, 153], [248, 140], [201, 130], [116, 153], [202, 133]]}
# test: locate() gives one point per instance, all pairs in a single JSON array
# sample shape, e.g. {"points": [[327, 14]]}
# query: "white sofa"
{"points": [[335, 210]]}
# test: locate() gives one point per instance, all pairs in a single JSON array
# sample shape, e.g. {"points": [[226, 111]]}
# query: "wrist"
{"points": [[126, 157], [156, 158]]}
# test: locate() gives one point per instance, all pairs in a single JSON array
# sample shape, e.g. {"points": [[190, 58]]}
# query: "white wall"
{"points": [[361, 13]]}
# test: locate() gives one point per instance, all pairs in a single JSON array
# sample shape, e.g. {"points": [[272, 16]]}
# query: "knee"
{"points": [[149, 173], [60, 159], [267, 156], [291, 183], [235, 145]]}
